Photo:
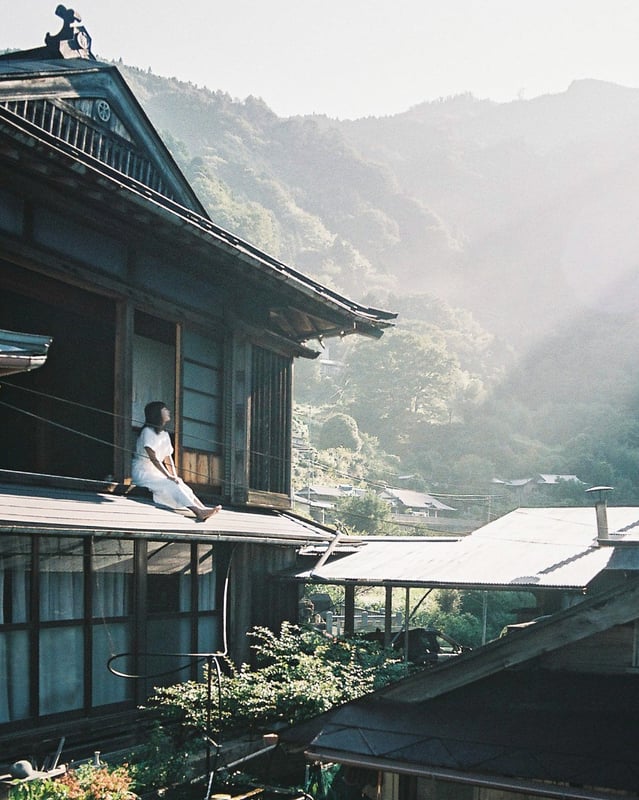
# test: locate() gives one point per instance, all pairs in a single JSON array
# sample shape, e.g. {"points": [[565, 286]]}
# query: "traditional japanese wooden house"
{"points": [[105, 248]]}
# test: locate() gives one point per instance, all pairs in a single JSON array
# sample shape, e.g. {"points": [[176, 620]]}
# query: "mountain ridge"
{"points": [[523, 207]]}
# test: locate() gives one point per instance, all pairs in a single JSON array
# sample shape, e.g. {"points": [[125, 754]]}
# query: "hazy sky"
{"points": [[353, 58]]}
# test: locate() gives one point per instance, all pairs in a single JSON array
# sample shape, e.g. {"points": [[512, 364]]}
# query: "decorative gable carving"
{"points": [[89, 125], [99, 111], [73, 40]]}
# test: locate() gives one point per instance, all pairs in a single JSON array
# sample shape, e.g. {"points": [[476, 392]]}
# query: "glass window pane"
{"points": [[200, 436], [206, 578], [14, 676], [169, 577], [202, 396], [61, 579], [61, 669], [167, 637], [112, 577], [15, 579], [198, 347], [108, 640], [209, 640]]}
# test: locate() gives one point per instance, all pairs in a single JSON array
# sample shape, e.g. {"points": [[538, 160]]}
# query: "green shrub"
{"points": [[300, 673]]}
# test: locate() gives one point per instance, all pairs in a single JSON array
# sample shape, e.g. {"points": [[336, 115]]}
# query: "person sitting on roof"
{"points": [[153, 465]]}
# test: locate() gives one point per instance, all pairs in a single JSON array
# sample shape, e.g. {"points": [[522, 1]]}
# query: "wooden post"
{"points": [[406, 623], [123, 432], [388, 616], [484, 616], [349, 609]]}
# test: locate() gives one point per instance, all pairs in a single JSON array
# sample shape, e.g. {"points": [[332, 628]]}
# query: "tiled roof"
{"points": [[495, 717], [315, 310], [412, 499], [532, 725]]}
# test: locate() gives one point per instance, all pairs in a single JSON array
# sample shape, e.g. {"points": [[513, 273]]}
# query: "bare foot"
{"points": [[203, 514]]}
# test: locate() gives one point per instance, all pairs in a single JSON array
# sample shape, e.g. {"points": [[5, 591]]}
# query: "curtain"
{"points": [[15, 577], [112, 597], [61, 669], [14, 676], [206, 578], [112, 577], [61, 579], [107, 641], [15, 573], [61, 664]]}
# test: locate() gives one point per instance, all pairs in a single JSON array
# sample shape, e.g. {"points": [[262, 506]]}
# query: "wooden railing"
{"points": [[106, 147], [365, 622]]}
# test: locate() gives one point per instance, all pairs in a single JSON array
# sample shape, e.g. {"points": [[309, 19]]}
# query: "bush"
{"points": [[300, 673], [162, 761], [340, 430]]}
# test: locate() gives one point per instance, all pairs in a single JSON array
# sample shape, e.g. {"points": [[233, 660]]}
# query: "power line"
{"points": [[369, 482], [68, 402]]}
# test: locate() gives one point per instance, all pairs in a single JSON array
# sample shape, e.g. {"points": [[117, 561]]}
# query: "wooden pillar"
{"points": [[406, 623], [123, 369], [349, 609], [139, 662], [388, 616], [179, 396]]}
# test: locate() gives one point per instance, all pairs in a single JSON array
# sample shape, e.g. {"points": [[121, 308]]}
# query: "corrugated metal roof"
{"points": [[21, 352], [529, 548], [47, 510]]}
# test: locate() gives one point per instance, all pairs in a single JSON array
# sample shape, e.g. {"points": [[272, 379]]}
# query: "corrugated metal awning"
{"points": [[30, 509], [531, 548], [22, 352]]}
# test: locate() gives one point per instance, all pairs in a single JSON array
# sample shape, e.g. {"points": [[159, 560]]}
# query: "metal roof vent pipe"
{"points": [[601, 509]]}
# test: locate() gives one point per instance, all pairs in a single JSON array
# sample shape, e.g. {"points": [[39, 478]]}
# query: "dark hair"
{"points": [[153, 414]]}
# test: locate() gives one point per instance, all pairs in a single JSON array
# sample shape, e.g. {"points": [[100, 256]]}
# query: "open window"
{"points": [[154, 364], [58, 419]]}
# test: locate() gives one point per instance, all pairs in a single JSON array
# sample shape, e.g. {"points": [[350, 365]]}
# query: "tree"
{"points": [[398, 383], [340, 430], [366, 514]]}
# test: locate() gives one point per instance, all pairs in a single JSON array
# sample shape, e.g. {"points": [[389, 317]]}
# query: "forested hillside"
{"points": [[505, 235]]}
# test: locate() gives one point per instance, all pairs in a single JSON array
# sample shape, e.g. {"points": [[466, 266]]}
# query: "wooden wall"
{"points": [[614, 650], [257, 598]]}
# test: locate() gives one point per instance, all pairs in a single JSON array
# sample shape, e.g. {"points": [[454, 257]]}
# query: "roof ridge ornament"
{"points": [[73, 39]]}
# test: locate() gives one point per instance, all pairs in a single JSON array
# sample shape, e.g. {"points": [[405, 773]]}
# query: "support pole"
{"points": [[406, 622], [209, 697], [349, 609], [484, 617], [388, 616]]}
